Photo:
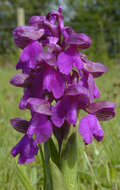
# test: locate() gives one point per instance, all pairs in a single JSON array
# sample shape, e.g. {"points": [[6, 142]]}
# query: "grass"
{"points": [[99, 163]]}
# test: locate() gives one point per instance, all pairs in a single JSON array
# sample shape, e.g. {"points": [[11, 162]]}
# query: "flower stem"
{"points": [[47, 178], [41, 154]]}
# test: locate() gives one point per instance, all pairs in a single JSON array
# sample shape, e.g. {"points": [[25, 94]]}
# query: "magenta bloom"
{"points": [[89, 127], [58, 82], [26, 149]]}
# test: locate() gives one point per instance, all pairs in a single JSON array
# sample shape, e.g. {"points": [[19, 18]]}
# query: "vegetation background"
{"points": [[99, 163]]}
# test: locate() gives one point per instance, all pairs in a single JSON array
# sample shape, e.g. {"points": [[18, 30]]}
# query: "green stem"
{"points": [[69, 164], [43, 161], [46, 167], [47, 178], [42, 156]]}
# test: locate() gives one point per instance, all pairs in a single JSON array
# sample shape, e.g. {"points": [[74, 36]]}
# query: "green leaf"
{"points": [[23, 177], [33, 175], [53, 152], [57, 177], [47, 172], [69, 163]]}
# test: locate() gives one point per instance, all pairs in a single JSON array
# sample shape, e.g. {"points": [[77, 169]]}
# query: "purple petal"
{"points": [[71, 115], [76, 89], [53, 81], [54, 48], [96, 69], [60, 9], [79, 93], [57, 16], [20, 80], [26, 150], [28, 56], [79, 39], [89, 127], [47, 57], [93, 90], [23, 35], [50, 29], [58, 114], [96, 91], [33, 90], [35, 20], [41, 127], [53, 40], [73, 79], [39, 106], [64, 62], [78, 64], [67, 31], [23, 101], [65, 109], [88, 82], [104, 110], [68, 59], [19, 124]]}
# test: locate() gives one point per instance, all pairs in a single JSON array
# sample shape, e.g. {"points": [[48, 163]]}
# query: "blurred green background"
{"points": [[98, 18], [99, 163]]}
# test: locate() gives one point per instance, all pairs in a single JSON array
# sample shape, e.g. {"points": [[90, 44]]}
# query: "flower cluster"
{"points": [[58, 81]]}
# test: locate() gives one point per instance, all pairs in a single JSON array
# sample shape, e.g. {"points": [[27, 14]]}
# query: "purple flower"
{"points": [[80, 40], [28, 57], [47, 58], [41, 127], [96, 69], [36, 20], [50, 29], [26, 150], [58, 82], [38, 105], [104, 110], [88, 82], [32, 90], [53, 81], [47, 79], [68, 59], [54, 16], [89, 127], [23, 35], [66, 109], [20, 125], [20, 80]]}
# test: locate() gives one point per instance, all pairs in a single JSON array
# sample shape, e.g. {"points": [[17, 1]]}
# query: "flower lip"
{"points": [[26, 150], [68, 59], [41, 127], [89, 127], [65, 110]]}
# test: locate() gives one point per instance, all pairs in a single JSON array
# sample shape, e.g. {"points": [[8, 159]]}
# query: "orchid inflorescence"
{"points": [[58, 81]]}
